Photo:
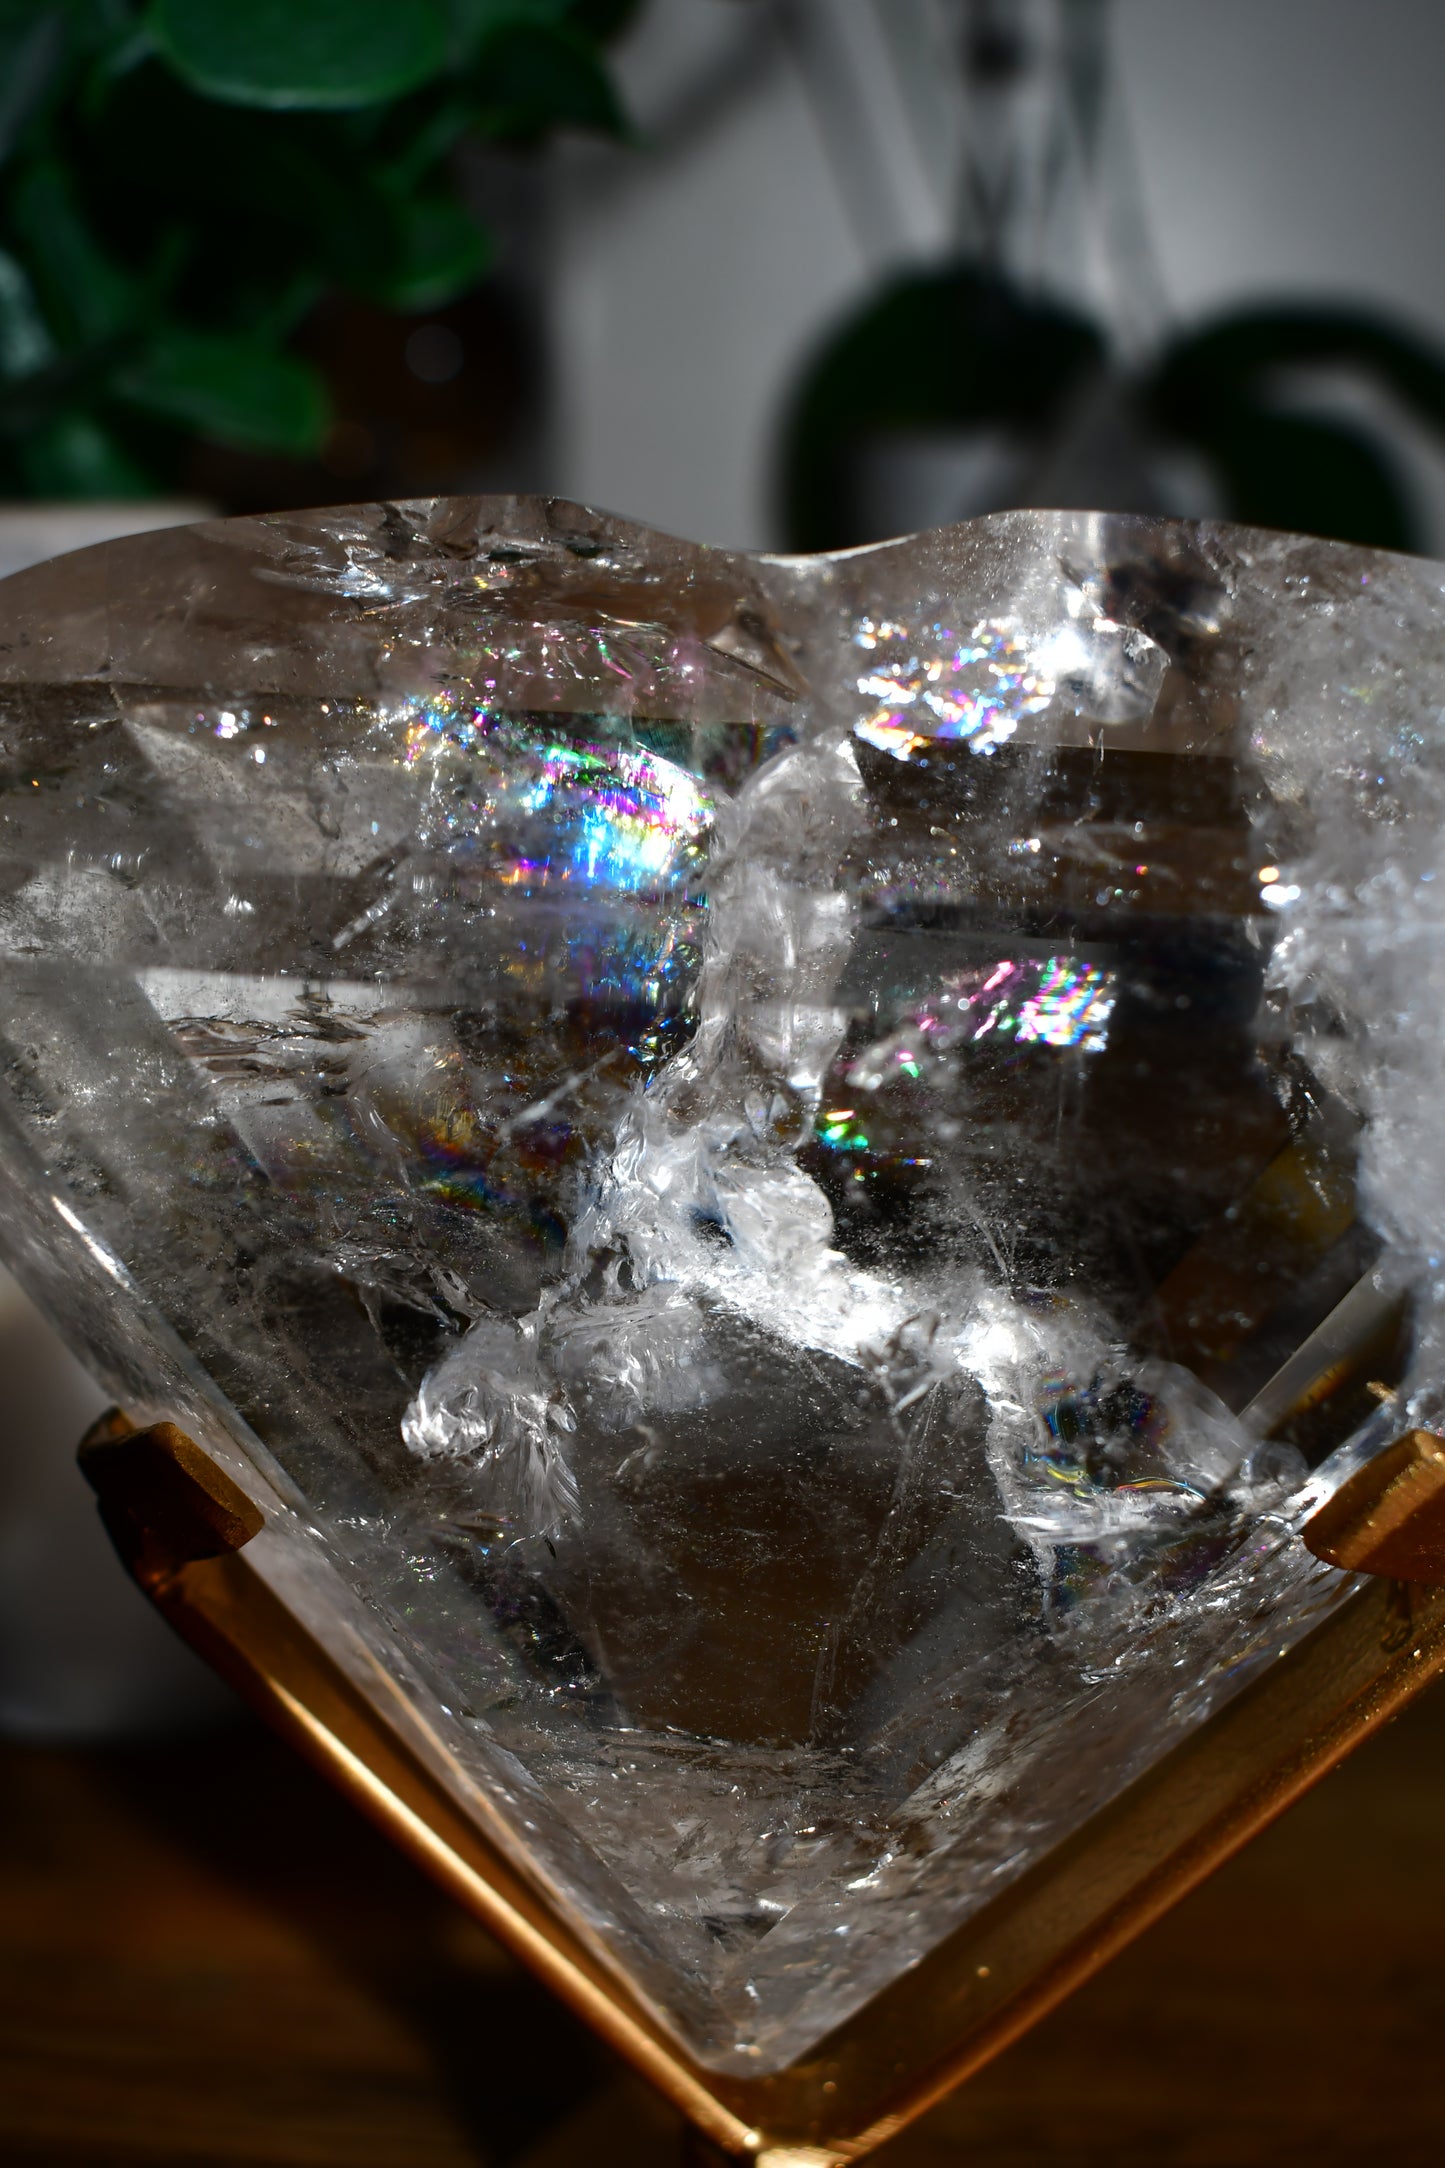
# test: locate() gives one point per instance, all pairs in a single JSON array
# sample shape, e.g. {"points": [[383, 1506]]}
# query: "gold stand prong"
{"points": [[1388, 1518], [164, 1502], [199, 1547]]}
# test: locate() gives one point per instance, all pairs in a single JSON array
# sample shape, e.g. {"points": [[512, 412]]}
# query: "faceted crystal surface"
{"points": [[789, 1175]]}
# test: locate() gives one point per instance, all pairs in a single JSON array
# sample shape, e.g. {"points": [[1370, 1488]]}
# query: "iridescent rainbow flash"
{"points": [[935, 683]]}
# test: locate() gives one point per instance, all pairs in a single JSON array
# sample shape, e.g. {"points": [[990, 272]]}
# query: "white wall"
{"points": [[1285, 147], [1292, 146]]}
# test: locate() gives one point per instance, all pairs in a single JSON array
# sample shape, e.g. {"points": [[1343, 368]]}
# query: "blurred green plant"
{"points": [[1255, 396], [182, 181]]}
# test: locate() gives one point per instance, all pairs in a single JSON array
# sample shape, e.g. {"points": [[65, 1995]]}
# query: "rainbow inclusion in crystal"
{"points": [[932, 683], [608, 815]]}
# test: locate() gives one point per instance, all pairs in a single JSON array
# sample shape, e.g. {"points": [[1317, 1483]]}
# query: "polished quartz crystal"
{"points": [[786, 1176]]}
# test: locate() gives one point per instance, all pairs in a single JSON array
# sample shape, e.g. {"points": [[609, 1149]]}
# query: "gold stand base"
{"points": [[184, 1527]]}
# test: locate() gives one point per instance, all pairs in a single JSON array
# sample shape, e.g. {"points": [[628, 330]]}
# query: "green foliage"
{"points": [[181, 181], [529, 76], [222, 388], [949, 349], [1225, 391], [961, 349], [326, 55]]}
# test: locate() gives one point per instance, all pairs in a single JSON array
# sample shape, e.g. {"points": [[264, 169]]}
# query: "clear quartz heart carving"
{"points": [[788, 1175]]}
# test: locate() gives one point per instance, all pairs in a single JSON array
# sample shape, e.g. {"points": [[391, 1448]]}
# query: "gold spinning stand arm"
{"points": [[182, 1526], [1389, 1516]]}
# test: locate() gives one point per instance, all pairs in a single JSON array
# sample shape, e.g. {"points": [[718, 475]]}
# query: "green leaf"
{"points": [[313, 54], [1226, 390], [529, 78], [1234, 358], [420, 137], [84, 288], [74, 455], [440, 251], [952, 349], [603, 19], [1308, 475], [473, 20], [32, 48], [129, 46], [25, 341], [229, 390]]}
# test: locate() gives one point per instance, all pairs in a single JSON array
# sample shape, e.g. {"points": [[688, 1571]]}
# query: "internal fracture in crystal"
{"points": [[789, 1176]]}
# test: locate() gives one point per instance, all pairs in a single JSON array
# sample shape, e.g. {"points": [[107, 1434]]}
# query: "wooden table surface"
{"points": [[207, 1958]]}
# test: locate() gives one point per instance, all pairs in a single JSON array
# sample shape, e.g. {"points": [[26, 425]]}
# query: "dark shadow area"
{"points": [[509, 2060], [206, 1957]]}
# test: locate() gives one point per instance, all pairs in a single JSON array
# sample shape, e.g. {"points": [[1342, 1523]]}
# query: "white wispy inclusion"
{"points": [[1355, 743], [702, 1209], [490, 1404], [702, 1202]]}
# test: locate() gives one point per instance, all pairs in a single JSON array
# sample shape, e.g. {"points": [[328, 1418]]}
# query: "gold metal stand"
{"points": [[182, 1525]]}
